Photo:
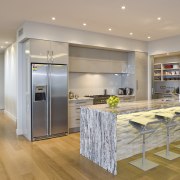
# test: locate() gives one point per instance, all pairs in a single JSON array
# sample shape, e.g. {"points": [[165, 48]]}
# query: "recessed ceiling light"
{"points": [[6, 42], [27, 51], [53, 18], [123, 7], [84, 24], [2, 47], [159, 18], [149, 37], [131, 33], [110, 29]]}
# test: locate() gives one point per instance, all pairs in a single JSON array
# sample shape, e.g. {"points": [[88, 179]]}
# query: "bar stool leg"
{"points": [[143, 150], [143, 163], [167, 154]]}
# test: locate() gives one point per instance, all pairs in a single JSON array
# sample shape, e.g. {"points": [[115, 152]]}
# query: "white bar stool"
{"points": [[169, 121], [143, 127]]}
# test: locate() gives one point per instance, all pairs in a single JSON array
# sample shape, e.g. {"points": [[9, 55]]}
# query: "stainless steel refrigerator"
{"points": [[49, 100]]}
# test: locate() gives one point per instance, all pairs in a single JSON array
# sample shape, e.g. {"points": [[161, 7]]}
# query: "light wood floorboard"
{"points": [[59, 159]]}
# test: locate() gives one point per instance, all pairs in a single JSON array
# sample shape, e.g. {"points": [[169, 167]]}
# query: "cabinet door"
{"points": [[141, 76], [78, 64], [39, 51], [59, 53]]}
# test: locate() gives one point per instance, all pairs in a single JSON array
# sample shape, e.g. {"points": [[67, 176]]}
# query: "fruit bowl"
{"points": [[112, 101]]}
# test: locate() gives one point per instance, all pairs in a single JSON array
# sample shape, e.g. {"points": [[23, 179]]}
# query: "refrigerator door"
{"points": [[58, 99], [39, 100]]}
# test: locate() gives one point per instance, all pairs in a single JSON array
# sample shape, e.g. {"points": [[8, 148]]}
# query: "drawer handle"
{"points": [[78, 108], [77, 119], [80, 102]]}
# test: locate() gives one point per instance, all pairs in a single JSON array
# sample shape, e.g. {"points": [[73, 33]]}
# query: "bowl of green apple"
{"points": [[112, 101]]}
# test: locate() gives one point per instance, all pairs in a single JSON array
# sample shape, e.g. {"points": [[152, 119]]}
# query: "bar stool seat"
{"points": [[143, 127], [169, 121]]}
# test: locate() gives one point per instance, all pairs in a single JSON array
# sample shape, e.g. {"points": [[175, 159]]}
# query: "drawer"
{"points": [[74, 122]]}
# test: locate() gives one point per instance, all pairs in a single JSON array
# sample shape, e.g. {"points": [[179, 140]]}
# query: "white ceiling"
{"points": [[139, 17]]}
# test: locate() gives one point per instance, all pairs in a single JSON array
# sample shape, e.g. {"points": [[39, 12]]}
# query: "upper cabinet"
{"points": [[89, 60], [42, 51]]}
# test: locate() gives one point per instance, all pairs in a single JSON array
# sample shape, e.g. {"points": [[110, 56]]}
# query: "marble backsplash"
{"points": [[94, 91]]}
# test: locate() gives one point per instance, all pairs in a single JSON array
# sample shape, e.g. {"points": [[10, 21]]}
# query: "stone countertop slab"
{"points": [[136, 106], [80, 99]]}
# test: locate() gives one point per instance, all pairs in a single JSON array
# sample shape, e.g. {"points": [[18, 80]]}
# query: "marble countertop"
{"points": [[81, 98], [136, 106]]}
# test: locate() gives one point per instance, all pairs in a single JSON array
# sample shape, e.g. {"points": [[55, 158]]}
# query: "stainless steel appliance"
{"points": [[49, 100], [99, 99], [128, 91], [121, 91]]}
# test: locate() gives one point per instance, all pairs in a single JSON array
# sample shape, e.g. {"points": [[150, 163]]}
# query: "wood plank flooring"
{"points": [[59, 159]]}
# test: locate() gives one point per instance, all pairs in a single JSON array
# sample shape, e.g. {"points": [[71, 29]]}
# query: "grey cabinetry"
{"points": [[48, 51], [138, 74], [74, 113], [45, 89], [141, 72]]}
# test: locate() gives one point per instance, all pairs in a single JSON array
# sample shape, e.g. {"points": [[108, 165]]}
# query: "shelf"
{"points": [[162, 93], [171, 69], [171, 80], [171, 75]]}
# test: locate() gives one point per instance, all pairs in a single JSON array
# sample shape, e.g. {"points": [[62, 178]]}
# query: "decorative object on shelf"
{"points": [[71, 95], [113, 101], [168, 66]]}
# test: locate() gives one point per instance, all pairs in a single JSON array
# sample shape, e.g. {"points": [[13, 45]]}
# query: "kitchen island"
{"points": [[106, 135]]}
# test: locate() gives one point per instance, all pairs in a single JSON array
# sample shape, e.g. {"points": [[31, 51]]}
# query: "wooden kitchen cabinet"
{"points": [[74, 113]]}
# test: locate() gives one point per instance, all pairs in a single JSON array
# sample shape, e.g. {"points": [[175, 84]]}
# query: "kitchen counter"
{"points": [[106, 135], [136, 106], [81, 98]]}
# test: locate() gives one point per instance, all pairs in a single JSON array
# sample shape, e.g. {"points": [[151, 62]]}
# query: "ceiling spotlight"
{"points": [[123, 7], [84, 24], [130, 33], [2, 47], [149, 37], [159, 18], [53, 18], [6, 42], [110, 29]]}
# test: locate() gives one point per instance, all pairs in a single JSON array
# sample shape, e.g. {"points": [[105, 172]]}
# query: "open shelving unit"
{"points": [[166, 75], [167, 71]]}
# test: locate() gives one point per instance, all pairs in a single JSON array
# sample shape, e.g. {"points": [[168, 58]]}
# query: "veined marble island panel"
{"points": [[106, 135]]}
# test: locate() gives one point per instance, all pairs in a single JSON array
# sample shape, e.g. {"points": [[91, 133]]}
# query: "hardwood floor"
{"points": [[59, 159]]}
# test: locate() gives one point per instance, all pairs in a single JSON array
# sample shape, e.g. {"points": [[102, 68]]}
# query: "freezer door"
{"points": [[39, 100], [58, 99]]}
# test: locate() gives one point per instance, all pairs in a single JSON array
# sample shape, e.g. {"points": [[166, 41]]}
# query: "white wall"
{"points": [[94, 84], [1, 81], [167, 45], [10, 91], [79, 37]]}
